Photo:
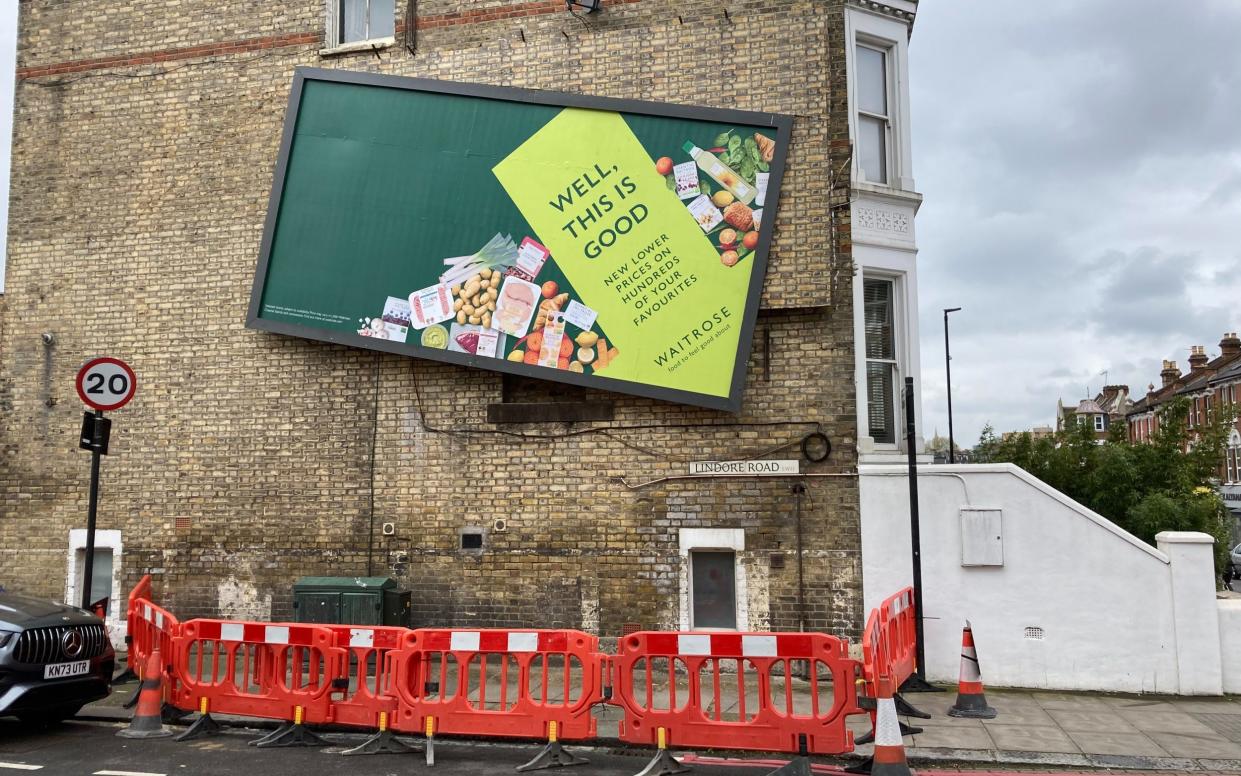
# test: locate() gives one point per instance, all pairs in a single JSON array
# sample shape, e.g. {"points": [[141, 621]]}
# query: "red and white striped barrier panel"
{"points": [[537, 684], [900, 634], [791, 689], [150, 627], [364, 687], [253, 669]]}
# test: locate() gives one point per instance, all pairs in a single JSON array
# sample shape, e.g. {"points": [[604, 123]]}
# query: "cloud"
{"points": [[1081, 169]]}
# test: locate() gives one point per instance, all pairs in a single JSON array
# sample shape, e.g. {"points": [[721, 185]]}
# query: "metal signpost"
{"points": [[917, 681], [102, 384]]}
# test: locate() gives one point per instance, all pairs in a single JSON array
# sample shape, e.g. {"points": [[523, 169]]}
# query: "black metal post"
{"points": [[88, 568], [916, 682], [799, 489], [952, 448]]}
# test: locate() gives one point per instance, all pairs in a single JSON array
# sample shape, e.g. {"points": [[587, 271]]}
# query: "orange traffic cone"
{"points": [[970, 699], [889, 755], [148, 721]]}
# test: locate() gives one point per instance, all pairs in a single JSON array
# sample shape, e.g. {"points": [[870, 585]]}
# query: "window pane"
{"points": [[877, 295], [879, 402], [872, 80], [872, 148], [101, 575], [382, 18], [352, 20], [715, 601]]}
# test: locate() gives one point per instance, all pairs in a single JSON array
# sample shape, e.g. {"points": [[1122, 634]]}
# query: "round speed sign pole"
{"points": [[102, 384]]}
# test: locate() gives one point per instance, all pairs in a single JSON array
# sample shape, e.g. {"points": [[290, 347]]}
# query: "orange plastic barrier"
{"points": [[900, 634], [364, 686], [508, 683], [150, 627], [669, 685], [257, 669]]}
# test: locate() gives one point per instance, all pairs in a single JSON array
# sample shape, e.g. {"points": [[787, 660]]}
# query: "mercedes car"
{"points": [[54, 659]]}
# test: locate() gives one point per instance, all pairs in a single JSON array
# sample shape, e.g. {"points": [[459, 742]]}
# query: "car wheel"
{"points": [[50, 716]]}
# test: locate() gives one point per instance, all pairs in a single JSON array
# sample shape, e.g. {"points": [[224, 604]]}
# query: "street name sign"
{"points": [[742, 468]]}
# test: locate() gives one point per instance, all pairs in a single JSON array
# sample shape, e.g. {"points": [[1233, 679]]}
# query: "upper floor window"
{"points": [[357, 21], [879, 298], [1098, 423], [874, 114], [1232, 460]]}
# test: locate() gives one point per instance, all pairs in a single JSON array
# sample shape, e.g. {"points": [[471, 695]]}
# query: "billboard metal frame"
{"points": [[783, 124]]}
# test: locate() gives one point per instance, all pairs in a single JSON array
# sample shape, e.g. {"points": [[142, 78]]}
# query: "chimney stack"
{"points": [[1197, 358], [1230, 345], [1170, 373]]}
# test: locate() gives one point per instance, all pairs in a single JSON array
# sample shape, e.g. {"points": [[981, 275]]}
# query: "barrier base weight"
{"points": [[553, 756], [170, 713], [133, 700], [915, 683], [798, 766], [382, 742], [904, 707], [862, 767], [662, 764], [290, 735], [869, 738], [203, 726]]}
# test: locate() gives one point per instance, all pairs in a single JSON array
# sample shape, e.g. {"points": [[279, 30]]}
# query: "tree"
{"points": [[1166, 484]]}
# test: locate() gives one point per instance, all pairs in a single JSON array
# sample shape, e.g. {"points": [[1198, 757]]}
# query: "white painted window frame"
{"points": [[1098, 423], [713, 540], [900, 349], [331, 36], [874, 30], [105, 539]]}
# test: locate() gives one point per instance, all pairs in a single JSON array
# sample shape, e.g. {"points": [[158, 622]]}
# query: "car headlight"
{"points": [[5, 636]]}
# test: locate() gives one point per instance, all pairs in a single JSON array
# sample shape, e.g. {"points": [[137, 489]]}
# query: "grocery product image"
{"points": [[515, 306], [721, 173]]}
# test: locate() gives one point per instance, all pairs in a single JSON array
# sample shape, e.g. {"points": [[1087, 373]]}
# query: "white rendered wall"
{"points": [[1230, 643], [1103, 599]]}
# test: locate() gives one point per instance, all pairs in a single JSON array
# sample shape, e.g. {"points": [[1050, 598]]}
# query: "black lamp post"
{"points": [[952, 448]]}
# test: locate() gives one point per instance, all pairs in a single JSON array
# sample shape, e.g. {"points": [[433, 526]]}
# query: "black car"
{"points": [[54, 659]]}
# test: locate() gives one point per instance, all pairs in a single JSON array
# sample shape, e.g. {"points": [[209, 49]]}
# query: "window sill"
{"points": [[374, 44], [887, 190]]}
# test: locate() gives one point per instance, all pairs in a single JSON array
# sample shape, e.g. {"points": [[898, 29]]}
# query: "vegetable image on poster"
{"points": [[597, 242]]}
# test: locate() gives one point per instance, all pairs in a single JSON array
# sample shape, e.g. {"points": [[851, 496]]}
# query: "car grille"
{"points": [[46, 645]]}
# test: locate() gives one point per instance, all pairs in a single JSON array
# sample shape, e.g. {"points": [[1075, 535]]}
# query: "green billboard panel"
{"points": [[608, 243]]}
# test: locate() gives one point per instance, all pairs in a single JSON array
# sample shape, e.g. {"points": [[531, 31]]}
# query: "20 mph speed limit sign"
{"points": [[106, 383]]}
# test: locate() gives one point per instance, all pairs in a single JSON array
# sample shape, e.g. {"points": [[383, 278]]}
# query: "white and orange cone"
{"points": [[971, 702], [889, 754]]}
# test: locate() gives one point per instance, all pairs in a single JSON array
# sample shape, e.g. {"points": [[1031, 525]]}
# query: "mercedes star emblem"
{"points": [[71, 643]]}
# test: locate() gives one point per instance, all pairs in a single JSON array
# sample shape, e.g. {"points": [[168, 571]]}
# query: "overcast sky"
{"points": [[1081, 168]]}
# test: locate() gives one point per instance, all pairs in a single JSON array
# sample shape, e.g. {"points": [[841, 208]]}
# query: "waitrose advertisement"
{"points": [[615, 244]]}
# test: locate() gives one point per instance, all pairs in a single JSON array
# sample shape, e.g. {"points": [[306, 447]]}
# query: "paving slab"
{"points": [[1101, 719], [1031, 738], [1227, 725], [1167, 721], [956, 738], [1136, 744], [1068, 701], [1020, 715], [1179, 745]]}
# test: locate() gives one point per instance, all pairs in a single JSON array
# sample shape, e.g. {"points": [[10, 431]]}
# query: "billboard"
{"points": [[599, 242]]}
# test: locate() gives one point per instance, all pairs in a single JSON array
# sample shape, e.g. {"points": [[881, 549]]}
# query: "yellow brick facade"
{"points": [[140, 185]]}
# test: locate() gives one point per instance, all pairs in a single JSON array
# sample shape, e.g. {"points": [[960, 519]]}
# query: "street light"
{"points": [[952, 449]]}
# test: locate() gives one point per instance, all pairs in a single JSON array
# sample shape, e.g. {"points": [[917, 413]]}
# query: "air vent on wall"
{"points": [[1034, 632]]}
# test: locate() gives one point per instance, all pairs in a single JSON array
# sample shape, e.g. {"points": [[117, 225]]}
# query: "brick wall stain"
{"points": [[250, 459]]}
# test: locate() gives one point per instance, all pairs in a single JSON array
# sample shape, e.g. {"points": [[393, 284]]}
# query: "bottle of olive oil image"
{"points": [[722, 173]]}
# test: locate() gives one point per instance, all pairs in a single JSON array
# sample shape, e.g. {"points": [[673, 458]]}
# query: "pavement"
{"points": [[1032, 728]]}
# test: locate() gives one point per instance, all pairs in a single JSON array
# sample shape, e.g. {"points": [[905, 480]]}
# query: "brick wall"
{"points": [[144, 142]]}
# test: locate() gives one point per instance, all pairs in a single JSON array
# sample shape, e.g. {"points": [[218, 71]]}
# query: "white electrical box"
{"points": [[982, 536]]}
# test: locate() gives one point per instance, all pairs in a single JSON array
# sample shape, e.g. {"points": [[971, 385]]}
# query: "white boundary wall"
{"points": [[1113, 613]]}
